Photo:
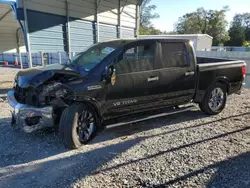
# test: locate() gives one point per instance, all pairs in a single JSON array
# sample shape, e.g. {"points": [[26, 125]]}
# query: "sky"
{"points": [[171, 10]]}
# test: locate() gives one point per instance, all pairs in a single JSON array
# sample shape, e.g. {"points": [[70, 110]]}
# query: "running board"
{"points": [[147, 117]]}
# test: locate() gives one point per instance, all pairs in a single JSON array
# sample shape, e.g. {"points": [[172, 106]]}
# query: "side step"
{"points": [[140, 118]]}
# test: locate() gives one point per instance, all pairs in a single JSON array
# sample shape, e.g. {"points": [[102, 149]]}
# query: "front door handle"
{"points": [[151, 79], [189, 73]]}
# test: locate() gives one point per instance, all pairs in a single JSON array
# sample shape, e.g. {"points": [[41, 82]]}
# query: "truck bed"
{"points": [[206, 63], [210, 70], [202, 60]]}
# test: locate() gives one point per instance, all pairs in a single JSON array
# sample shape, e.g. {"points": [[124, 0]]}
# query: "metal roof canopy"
{"points": [[10, 35], [25, 25]]}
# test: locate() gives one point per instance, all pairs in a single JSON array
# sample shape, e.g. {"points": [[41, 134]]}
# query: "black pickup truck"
{"points": [[120, 82]]}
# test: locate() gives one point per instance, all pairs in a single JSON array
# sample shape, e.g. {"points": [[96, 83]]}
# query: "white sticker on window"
{"points": [[108, 50]]}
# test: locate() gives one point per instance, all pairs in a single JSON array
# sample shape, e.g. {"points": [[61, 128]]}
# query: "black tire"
{"points": [[204, 105], [69, 124]]}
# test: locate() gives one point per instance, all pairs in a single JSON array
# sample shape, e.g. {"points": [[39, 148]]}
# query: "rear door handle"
{"points": [[189, 73], [151, 79]]}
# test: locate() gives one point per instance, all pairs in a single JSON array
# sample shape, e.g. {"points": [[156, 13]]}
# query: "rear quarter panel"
{"points": [[229, 73]]}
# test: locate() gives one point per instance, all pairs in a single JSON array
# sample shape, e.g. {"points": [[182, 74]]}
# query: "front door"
{"points": [[134, 81]]}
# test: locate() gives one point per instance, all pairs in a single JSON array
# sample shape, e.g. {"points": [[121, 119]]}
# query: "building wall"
{"points": [[47, 21], [127, 32], [8, 31], [204, 43], [82, 34], [47, 31], [200, 41]]}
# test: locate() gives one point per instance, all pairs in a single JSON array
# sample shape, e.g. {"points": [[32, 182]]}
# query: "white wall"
{"points": [[8, 28], [200, 41], [204, 43], [128, 16]]}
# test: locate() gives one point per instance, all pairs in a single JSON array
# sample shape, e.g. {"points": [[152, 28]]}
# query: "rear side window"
{"points": [[137, 58], [174, 54]]}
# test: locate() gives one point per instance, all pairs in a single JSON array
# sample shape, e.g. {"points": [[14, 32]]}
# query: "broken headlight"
{"points": [[51, 91]]}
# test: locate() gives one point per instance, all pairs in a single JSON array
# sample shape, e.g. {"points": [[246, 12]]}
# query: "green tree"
{"points": [[239, 30], [237, 36], [146, 16], [246, 25], [211, 22], [149, 31], [246, 44]]}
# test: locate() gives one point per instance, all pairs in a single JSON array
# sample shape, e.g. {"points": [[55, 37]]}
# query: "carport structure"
{"points": [[64, 25]]}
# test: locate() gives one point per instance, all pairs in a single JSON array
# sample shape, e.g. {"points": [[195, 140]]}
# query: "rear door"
{"points": [[177, 77]]}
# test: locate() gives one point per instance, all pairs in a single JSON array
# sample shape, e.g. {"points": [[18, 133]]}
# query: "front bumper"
{"points": [[30, 118]]}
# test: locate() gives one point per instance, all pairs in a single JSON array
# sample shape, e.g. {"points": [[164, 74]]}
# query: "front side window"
{"points": [[174, 54], [136, 59], [92, 56]]}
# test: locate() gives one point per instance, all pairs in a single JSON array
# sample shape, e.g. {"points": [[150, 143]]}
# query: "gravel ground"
{"points": [[184, 150]]}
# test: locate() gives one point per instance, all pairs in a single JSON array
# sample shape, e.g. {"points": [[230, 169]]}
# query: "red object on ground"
{"points": [[5, 63], [16, 63]]}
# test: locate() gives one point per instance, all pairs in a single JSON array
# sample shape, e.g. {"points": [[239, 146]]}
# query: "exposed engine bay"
{"points": [[39, 96], [46, 94], [49, 89]]}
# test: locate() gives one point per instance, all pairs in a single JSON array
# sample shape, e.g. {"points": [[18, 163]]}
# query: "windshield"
{"points": [[92, 56]]}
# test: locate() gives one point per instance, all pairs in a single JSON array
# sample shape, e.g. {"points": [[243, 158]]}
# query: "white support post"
{"points": [[21, 61], [120, 11], [97, 22], [60, 58], [27, 34], [68, 29], [119, 19], [137, 20], [42, 59], [98, 2]]}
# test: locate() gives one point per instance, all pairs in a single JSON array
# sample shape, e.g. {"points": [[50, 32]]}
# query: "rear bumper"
{"points": [[240, 90], [30, 118], [236, 88]]}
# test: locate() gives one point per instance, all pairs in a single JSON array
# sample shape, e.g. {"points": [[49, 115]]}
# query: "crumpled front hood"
{"points": [[36, 76]]}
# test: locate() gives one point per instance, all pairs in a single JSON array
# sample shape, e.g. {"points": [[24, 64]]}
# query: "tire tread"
{"points": [[66, 123]]}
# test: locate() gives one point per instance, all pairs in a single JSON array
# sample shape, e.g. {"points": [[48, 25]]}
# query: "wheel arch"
{"points": [[93, 105], [223, 80]]}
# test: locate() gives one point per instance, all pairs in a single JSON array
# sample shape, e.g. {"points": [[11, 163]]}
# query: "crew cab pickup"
{"points": [[120, 82]]}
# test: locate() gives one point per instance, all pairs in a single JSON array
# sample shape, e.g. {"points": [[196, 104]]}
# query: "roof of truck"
{"points": [[175, 35], [122, 42]]}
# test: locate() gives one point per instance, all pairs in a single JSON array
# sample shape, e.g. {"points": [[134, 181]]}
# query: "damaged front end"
{"points": [[30, 118], [39, 106]]}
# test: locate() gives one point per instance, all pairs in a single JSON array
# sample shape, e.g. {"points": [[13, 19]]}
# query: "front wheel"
{"points": [[78, 125], [215, 99]]}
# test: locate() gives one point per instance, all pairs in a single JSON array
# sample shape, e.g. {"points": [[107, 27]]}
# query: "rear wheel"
{"points": [[78, 125], [215, 99]]}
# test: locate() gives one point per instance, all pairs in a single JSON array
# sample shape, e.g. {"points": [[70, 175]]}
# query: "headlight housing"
{"points": [[53, 90]]}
